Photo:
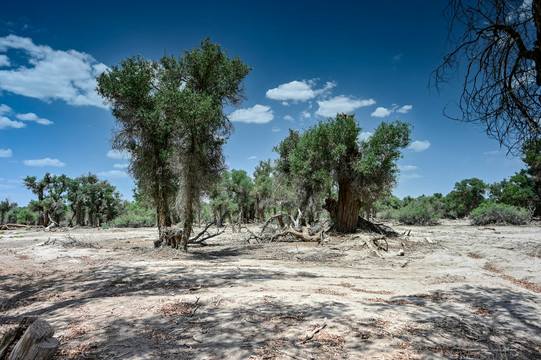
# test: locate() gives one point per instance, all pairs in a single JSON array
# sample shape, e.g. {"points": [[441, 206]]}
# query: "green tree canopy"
{"points": [[330, 155], [171, 121]]}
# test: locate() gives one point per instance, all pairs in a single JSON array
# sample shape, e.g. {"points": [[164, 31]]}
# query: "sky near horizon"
{"points": [[310, 59]]}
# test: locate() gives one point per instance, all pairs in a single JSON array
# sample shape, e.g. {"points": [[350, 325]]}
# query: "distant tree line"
{"points": [[83, 201], [519, 195]]}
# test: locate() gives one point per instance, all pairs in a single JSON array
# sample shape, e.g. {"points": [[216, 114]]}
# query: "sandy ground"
{"points": [[458, 292]]}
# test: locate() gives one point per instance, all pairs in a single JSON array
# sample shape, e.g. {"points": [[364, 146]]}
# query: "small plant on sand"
{"points": [[499, 214]]}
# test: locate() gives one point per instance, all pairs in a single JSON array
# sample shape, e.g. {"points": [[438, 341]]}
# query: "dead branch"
{"points": [[10, 226], [304, 235], [194, 239], [196, 306], [280, 220], [202, 240], [376, 241], [309, 337]]}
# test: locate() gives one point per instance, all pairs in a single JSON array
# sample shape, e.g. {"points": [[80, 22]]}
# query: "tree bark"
{"points": [[348, 208], [37, 343], [188, 221]]}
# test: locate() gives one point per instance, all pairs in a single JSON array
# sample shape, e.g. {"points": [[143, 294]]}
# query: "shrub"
{"points": [[135, 215], [498, 214], [419, 212]]}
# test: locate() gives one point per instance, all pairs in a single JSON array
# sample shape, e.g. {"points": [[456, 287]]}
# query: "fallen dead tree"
{"points": [[12, 226], [286, 226], [171, 237]]}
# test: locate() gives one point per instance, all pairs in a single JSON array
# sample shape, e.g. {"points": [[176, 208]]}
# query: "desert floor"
{"points": [[459, 291]]}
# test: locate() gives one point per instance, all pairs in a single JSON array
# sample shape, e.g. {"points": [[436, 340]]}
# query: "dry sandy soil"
{"points": [[458, 292]]}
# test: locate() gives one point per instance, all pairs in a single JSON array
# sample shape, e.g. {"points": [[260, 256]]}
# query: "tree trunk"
{"points": [[37, 343], [348, 208], [188, 222]]}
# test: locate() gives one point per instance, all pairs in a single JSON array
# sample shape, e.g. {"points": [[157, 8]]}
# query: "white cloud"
{"points": [[7, 123], [33, 117], [397, 57], [341, 104], [118, 155], [404, 109], [381, 112], [285, 103], [306, 115], [113, 174], [275, 129], [44, 162], [5, 153], [4, 109], [258, 114], [288, 118], [121, 166], [297, 91], [408, 167], [419, 145], [53, 74], [252, 157], [365, 135], [493, 152], [4, 60]]}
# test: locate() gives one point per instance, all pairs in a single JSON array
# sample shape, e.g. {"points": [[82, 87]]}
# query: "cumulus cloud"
{"points": [[7, 123], [121, 166], [275, 129], [4, 60], [258, 114], [5, 153], [365, 135], [419, 145], [118, 155], [297, 91], [404, 109], [252, 157], [33, 117], [53, 74], [381, 112], [44, 162], [113, 174], [288, 118], [306, 115], [341, 104], [4, 109]]}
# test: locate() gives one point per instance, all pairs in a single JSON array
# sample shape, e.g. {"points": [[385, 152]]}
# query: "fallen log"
{"points": [[12, 226]]}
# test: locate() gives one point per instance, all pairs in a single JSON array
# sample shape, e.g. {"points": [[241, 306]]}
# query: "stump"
{"points": [[37, 342]]}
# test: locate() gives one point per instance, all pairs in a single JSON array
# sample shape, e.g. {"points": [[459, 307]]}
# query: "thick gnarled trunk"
{"points": [[347, 208]]}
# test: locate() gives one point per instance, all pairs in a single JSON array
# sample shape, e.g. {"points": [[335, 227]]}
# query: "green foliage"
{"points": [[499, 214], [329, 155], [25, 216], [419, 212], [171, 121], [466, 196], [5, 206], [518, 191], [263, 187], [134, 215]]}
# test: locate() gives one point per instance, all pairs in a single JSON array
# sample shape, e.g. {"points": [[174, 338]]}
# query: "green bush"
{"points": [[135, 215], [418, 212], [498, 214]]}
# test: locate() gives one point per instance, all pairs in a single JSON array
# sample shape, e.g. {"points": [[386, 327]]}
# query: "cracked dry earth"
{"points": [[458, 292]]}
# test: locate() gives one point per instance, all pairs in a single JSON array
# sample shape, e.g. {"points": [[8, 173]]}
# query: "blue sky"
{"points": [[310, 60]]}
